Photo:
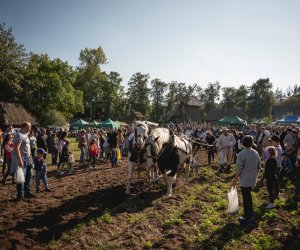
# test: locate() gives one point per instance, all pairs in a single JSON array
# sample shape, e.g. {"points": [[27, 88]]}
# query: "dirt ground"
{"points": [[89, 210], [74, 199]]}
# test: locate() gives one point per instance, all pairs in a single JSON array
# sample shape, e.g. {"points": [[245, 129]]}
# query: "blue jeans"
{"points": [[82, 154], [25, 188], [40, 175], [113, 157]]}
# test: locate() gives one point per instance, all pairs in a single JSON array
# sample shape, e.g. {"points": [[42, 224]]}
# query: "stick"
{"points": [[139, 189]]}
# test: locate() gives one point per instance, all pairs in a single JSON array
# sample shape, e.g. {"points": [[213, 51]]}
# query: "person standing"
{"points": [[225, 142], [8, 147], [32, 139], [42, 140], [211, 149], [112, 141], [271, 176], [247, 169], [53, 148], [40, 168], [82, 145], [21, 157]]}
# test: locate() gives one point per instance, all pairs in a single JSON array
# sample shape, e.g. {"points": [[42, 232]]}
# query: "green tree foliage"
{"points": [[229, 97], [90, 78], [241, 97], [138, 94], [211, 96], [48, 87], [260, 99], [158, 89], [279, 96], [112, 94], [12, 64]]}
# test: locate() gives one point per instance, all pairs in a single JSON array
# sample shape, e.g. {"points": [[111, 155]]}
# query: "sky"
{"points": [[193, 41]]}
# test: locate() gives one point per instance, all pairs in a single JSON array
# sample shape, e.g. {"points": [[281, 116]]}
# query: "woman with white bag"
{"points": [[247, 168]]}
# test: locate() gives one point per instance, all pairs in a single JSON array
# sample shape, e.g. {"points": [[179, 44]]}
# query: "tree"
{"points": [[90, 78], [49, 88], [12, 64], [211, 96], [138, 94], [279, 96], [260, 99], [157, 92], [111, 95], [229, 97], [241, 97]]}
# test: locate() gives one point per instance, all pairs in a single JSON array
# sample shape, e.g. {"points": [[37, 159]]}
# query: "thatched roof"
{"points": [[14, 114], [217, 114], [192, 101], [280, 111]]}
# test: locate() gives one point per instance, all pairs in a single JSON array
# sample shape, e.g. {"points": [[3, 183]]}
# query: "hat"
{"points": [[224, 129], [41, 151]]}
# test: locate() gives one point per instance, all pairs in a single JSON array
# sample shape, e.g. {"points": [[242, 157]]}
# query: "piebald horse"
{"points": [[168, 151], [137, 153]]}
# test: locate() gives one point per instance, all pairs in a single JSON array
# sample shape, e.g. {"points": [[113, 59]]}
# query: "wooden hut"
{"points": [[14, 114]]}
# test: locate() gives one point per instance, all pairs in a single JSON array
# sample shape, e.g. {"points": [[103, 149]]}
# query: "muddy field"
{"points": [[89, 210]]}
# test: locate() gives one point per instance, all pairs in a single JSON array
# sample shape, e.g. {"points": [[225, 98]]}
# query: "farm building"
{"points": [[14, 114], [187, 109]]}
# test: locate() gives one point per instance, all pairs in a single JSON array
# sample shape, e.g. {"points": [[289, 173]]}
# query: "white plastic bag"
{"points": [[20, 176], [233, 202]]}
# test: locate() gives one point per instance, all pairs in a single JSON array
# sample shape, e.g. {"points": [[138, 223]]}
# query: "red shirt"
{"points": [[8, 152]]}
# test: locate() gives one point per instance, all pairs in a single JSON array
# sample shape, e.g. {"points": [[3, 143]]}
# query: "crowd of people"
{"points": [[252, 148]]}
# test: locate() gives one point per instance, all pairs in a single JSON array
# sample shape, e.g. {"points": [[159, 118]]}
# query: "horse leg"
{"points": [[130, 169], [170, 180]]}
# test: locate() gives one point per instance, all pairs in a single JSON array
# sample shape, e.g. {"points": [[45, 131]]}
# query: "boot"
{"points": [[222, 169], [228, 168]]}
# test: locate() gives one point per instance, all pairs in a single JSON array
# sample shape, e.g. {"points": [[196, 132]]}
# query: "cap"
{"points": [[41, 151]]}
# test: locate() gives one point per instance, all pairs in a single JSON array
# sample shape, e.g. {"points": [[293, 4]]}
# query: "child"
{"points": [[286, 164], [40, 168], [8, 147], [66, 158], [271, 176], [94, 152]]}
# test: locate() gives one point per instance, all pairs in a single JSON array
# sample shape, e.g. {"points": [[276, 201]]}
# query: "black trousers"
{"points": [[271, 186], [247, 202]]}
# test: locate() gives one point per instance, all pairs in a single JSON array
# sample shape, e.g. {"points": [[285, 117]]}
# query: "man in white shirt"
{"points": [[225, 143]]}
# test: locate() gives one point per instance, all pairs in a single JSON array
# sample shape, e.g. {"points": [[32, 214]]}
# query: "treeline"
{"points": [[55, 92]]}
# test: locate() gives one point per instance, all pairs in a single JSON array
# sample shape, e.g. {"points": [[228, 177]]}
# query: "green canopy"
{"points": [[109, 124], [79, 124], [231, 120], [93, 124]]}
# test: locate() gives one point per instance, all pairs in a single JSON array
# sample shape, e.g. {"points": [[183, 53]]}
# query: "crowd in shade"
{"points": [[272, 149]]}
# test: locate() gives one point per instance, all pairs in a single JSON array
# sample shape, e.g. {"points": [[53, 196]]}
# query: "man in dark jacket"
{"points": [[112, 141], [41, 140]]}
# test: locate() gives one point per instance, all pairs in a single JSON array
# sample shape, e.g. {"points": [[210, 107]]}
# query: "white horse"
{"points": [[136, 146], [168, 151]]}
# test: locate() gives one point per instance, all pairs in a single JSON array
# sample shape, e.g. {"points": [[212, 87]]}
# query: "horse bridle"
{"points": [[136, 136]]}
